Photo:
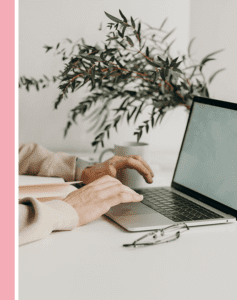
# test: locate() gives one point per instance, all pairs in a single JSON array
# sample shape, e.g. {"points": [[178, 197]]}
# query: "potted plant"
{"points": [[135, 68]]}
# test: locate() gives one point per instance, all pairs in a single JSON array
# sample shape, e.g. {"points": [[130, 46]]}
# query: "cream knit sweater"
{"points": [[36, 219]]}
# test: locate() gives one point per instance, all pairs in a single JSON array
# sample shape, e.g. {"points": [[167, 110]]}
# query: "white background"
{"points": [[213, 23]]}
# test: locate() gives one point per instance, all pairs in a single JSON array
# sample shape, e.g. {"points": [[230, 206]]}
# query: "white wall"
{"points": [[48, 22], [214, 24]]}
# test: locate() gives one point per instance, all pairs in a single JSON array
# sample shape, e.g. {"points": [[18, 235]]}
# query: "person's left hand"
{"points": [[112, 165]]}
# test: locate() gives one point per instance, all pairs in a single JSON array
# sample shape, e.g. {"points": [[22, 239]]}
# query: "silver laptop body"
{"points": [[205, 175]]}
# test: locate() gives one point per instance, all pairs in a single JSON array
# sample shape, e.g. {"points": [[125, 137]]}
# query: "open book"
{"points": [[44, 188]]}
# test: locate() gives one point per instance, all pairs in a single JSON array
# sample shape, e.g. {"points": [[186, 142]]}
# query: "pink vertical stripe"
{"points": [[7, 168]]}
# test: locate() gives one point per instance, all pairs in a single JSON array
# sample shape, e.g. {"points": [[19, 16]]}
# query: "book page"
{"points": [[47, 190], [33, 180]]}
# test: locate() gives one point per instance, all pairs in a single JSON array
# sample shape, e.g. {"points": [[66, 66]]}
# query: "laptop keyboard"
{"points": [[174, 206]]}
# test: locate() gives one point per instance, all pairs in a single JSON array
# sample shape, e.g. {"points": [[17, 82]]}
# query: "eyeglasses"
{"points": [[160, 236]]}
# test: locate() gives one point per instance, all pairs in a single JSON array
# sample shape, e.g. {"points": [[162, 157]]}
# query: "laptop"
{"points": [[204, 184]]}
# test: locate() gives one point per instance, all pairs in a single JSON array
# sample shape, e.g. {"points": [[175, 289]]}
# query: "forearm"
{"points": [[36, 160], [37, 220]]}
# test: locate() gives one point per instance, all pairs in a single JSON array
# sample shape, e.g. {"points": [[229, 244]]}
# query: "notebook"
{"points": [[45, 188], [204, 185]]}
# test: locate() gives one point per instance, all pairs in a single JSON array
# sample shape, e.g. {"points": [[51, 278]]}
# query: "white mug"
{"points": [[130, 177]]}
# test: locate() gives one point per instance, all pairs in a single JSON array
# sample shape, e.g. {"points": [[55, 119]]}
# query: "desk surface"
{"points": [[90, 263]]}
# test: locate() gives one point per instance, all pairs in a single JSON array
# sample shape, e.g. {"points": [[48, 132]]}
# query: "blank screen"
{"points": [[208, 160]]}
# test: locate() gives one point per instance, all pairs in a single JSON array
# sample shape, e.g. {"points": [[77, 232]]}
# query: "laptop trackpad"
{"points": [[132, 208], [136, 216]]}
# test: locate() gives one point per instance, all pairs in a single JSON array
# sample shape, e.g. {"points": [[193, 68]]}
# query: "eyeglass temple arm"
{"points": [[146, 235]]}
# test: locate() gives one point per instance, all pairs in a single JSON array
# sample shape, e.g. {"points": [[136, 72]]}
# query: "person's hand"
{"points": [[112, 165], [96, 198]]}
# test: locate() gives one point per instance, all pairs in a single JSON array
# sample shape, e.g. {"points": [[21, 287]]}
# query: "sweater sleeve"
{"points": [[37, 220], [36, 160]]}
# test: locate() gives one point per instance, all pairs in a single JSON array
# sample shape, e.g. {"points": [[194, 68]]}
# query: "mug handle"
{"points": [[105, 151]]}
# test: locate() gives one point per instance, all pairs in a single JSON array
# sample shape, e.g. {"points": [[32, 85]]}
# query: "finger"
{"points": [[105, 178], [122, 198], [113, 191], [127, 197], [121, 162], [135, 164], [104, 185], [138, 157]]}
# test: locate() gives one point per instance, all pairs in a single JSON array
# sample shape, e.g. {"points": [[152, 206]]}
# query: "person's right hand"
{"points": [[96, 198]]}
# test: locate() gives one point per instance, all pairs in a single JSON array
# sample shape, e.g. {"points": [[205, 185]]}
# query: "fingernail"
{"points": [[139, 196]]}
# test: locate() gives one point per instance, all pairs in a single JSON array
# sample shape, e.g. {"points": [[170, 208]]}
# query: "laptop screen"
{"points": [[208, 159]]}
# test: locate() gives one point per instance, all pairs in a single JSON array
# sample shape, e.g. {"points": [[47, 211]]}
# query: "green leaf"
{"points": [[163, 23], [177, 70], [153, 76], [116, 122], [166, 72], [173, 62], [154, 63], [131, 93], [213, 53], [214, 75], [99, 136], [123, 31], [129, 40], [112, 38], [147, 128], [120, 65], [46, 77], [136, 35], [139, 28], [184, 85], [107, 127], [113, 18], [47, 48], [73, 85], [130, 116], [67, 127], [94, 143], [70, 41], [139, 136], [206, 60], [162, 74], [93, 75], [160, 58], [122, 15], [198, 82], [156, 77], [138, 112], [147, 51], [91, 57], [120, 34], [120, 44], [102, 56], [189, 47], [168, 35], [133, 23]]}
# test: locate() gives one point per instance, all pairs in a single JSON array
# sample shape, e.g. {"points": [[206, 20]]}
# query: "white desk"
{"points": [[90, 263]]}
